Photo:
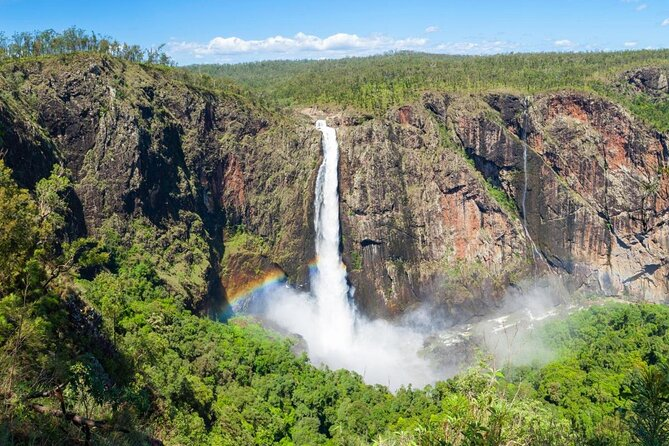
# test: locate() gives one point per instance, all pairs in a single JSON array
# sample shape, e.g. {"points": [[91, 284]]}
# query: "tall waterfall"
{"points": [[329, 284], [334, 333]]}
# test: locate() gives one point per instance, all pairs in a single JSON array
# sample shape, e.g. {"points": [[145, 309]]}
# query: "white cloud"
{"points": [[630, 44], [485, 47], [641, 7], [665, 22], [300, 43], [564, 43], [431, 29]]}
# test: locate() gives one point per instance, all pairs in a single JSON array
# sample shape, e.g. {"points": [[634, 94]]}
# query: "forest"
{"points": [[374, 84], [73, 40], [95, 349]]}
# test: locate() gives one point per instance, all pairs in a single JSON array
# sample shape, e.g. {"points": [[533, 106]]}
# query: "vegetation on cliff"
{"points": [[95, 349], [99, 342]]}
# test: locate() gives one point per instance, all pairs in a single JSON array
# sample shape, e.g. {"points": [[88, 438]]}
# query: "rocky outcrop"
{"points": [[457, 198], [650, 80], [596, 191]]}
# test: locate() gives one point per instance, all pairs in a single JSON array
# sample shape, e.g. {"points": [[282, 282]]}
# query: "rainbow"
{"points": [[266, 281], [261, 282]]}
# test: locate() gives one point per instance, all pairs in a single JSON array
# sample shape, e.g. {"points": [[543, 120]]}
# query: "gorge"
{"points": [[186, 248], [434, 203]]}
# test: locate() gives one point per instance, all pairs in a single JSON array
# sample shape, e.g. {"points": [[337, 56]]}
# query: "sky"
{"points": [[223, 31]]}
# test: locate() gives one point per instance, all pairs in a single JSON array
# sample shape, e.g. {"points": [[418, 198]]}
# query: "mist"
{"points": [[380, 351], [419, 348]]}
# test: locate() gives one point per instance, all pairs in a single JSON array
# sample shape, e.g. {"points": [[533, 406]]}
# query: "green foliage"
{"points": [[18, 229], [117, 347], [239, 240], [73, 40], [356, 261], [596, 350], [655, 113], [502, 198], [376, 83]]}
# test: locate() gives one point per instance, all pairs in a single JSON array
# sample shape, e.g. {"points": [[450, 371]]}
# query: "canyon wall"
{"points": [[220, 188]]}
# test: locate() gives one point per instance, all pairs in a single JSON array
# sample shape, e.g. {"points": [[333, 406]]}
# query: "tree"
{"points": [[649, 394], [18, 229]]}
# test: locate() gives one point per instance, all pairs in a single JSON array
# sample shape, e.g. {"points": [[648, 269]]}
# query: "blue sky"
{"points": [[246, 30]]}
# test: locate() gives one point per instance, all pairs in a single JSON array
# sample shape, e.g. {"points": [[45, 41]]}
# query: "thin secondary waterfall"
{"points": [[523, 138], [329, 284], [524, 185]]}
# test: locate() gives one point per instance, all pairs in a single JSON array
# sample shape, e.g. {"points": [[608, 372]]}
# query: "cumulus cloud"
{"points": [[485, 47], [564, 43], [630, 44], [641, 7], [299, 43], [431, 29], [665, 22]]}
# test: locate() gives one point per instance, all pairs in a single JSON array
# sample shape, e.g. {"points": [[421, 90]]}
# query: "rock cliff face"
{"points": [[597, 189], [419, 222], [448, 200], [458, 197], [167, 165]]}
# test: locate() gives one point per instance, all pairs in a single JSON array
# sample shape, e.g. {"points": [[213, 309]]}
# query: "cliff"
{"points": [[450, 199], [164, 164]]}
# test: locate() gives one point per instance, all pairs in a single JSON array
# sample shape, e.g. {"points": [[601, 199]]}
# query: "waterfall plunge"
{"points": [[329, 284], [336, 336]]}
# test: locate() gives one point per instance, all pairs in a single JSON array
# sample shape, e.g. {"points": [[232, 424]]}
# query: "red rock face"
{"points": [[232, 187], [615, 165], [418, 223], [404, 115], [597, 201]]}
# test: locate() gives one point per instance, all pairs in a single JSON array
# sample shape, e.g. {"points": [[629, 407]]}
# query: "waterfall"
{"points": [[329, 284], [523, 138], [333, 331]]}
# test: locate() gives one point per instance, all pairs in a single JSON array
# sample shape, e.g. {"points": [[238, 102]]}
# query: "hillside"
{"points": [[159, 160]]}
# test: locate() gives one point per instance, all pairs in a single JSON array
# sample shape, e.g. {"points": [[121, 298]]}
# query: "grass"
{"points": [[239, 240]]}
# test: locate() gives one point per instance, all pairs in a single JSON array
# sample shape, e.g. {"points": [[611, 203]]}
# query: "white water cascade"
{"points": [[335, 335], [329, 284]]}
